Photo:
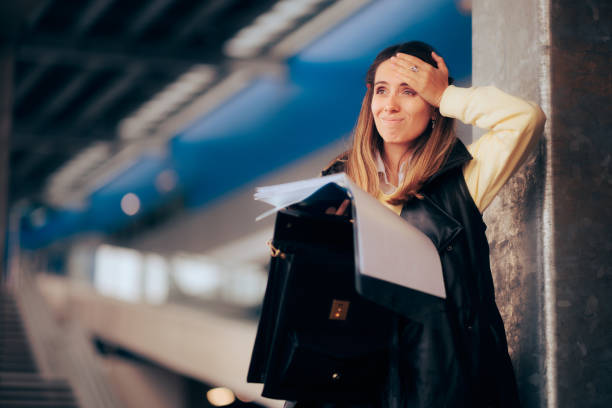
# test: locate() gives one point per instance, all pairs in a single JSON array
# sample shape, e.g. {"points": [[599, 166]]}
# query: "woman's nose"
{"points": [[391, 105]]}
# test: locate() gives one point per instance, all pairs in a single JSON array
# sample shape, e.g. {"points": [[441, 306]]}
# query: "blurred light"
{"points": [[130, 204], [295, 8], [272, 23], [167, 101], [156, 284], [38, 217], [268, 27], [244, 285], [118, 273], [220, 397], [166, 181], [244, 398], [196, 276]]}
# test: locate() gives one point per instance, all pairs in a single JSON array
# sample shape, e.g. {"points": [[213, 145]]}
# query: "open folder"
{"points": [[387, 248]]}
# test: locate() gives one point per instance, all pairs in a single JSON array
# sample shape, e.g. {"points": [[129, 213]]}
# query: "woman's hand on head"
{"points": [[429, 82]]}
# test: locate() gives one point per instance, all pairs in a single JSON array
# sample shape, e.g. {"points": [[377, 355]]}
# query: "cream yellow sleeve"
{"points": [[514, 128]]}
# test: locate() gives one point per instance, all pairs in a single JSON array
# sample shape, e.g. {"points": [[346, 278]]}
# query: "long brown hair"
{"points": [[430, 151]]}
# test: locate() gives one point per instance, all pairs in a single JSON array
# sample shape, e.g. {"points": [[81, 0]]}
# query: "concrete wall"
{"points": [[550, 229], [581, 149]]}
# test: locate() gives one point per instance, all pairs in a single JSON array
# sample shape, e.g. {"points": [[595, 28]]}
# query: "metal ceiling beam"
{"points": [[27, 83], [110, 57], [93, 11], [56, 103], [38, 12], [43, 148], [152, 10], [194, 22], [113, 92], [26, 170], [46, 149], [45, 142], [21, 171], [15, 15]]}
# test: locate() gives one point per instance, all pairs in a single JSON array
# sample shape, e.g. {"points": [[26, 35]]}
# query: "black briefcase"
{"points": [[318, 339]]}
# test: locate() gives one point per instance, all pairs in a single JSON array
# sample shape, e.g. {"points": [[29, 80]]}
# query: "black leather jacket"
{"points": [[457, 356]]}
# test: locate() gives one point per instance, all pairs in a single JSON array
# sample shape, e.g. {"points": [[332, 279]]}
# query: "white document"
{"points": [[387, 246]]}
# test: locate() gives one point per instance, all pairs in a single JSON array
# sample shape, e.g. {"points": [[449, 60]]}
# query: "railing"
{"points": [[21, 383], [65, 358]]}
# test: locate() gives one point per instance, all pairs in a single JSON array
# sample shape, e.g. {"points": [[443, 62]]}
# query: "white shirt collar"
{"points": [[385, 185]]}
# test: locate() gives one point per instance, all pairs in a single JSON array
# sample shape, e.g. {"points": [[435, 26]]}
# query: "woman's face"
{"points": [[400, 114]]}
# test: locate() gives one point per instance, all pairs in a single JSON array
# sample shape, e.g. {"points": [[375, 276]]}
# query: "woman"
{"points": [[405, 153]]}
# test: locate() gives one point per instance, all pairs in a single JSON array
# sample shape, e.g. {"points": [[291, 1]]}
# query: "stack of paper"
{"points": [[283, 195], [387, 246]]}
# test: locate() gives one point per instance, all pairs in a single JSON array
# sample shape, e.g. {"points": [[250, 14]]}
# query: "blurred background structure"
{"points": [[132, 135]]}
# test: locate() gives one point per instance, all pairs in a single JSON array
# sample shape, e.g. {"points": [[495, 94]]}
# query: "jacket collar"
{"points": [[459, 155]]}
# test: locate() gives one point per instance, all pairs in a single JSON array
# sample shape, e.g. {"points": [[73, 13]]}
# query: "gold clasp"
{"points": [[275, 252], [339, 309]]}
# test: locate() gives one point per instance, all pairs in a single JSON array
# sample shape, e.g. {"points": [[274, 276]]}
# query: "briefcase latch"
{"points": [[339, 309], [275, 252]]}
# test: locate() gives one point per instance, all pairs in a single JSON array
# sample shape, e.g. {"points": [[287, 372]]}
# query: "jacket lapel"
{"points": [[429, 217], [432, 221]]}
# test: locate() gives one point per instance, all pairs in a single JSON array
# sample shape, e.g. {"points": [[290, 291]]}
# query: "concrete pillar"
{"points": [[550, 229], [6, 113]]}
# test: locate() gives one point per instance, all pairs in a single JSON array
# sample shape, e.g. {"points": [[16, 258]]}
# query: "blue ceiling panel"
{"points": [[307, 120], [59, 224], [246, 110]]}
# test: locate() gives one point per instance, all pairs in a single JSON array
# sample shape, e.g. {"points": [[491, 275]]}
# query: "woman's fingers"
{"points": [[410, 63], [342, 209], [441, 64], [429, 82]]}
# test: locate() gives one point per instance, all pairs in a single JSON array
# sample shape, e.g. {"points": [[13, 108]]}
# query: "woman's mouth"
{"points": [[391, 121]]}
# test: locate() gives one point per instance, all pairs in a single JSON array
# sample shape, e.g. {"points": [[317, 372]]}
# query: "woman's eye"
{"points": [[380, 90], [409, 92]]}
